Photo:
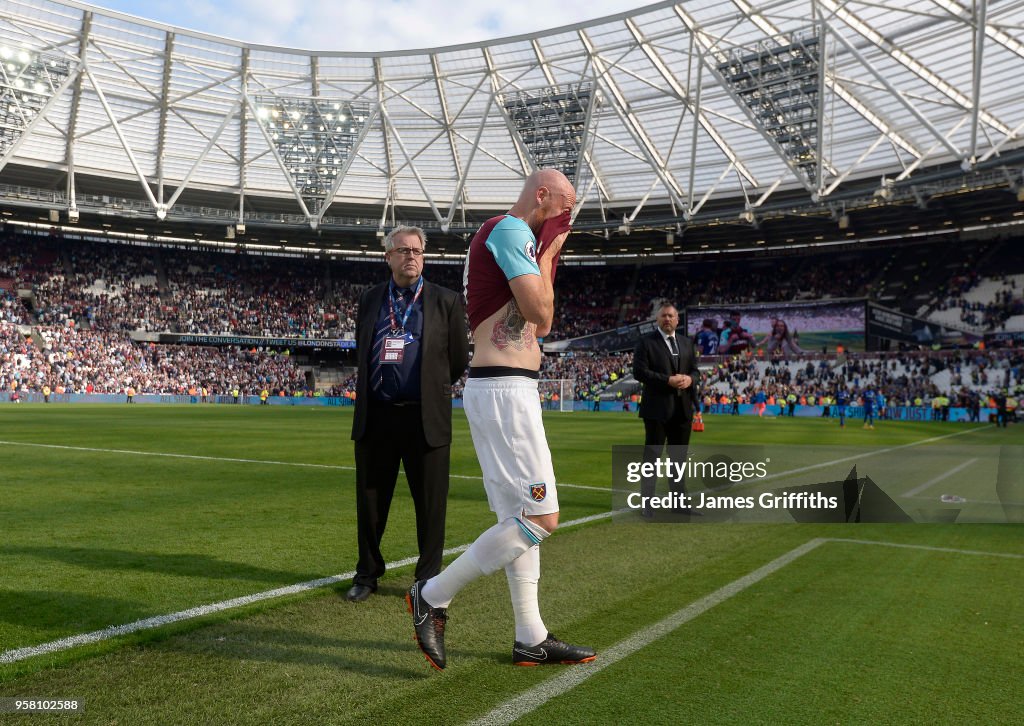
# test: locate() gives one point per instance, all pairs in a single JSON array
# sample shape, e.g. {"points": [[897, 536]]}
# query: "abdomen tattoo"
{"points": [[513, 331]]}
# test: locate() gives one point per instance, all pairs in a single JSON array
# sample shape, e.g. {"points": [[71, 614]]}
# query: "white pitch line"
{"points": [[972, 500], [54, 646], [865, 455], [536, 697], [528, 701], [175, 456], [269, 462], [928, 548], [940, 477], [341, 467], [113, 631]]}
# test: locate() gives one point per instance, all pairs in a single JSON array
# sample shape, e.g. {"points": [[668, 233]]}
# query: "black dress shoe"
{"points": [[359, 593]]}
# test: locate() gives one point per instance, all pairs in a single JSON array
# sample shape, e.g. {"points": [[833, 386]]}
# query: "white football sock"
{"points": [[523, 575], [440, 589], [492, 550]]}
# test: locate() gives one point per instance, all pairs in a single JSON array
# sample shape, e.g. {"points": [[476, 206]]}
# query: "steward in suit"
{"points": [[666, 365], [411, 345]]}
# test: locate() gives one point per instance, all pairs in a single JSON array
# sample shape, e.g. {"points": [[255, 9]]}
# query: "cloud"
{"points": [[358, 25]]}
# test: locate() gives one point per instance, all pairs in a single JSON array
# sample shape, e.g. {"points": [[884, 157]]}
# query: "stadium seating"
{"points": [[82, 298]]}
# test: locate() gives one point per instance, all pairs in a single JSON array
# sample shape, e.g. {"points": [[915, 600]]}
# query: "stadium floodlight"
{"points": [[884, 191], [551, 123], [313, 141], [28, 84], [779, 80]]}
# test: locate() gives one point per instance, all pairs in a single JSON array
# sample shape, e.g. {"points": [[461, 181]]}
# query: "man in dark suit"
{"points": [[411, 344], [666, 365]]}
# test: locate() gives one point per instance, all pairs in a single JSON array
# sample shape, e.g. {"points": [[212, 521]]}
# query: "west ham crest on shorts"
{"points": [[538, 491]]}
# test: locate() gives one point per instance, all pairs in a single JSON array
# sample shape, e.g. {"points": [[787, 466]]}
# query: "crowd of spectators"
{"points": [[588, 374], [70, 360], [87, 296], [781, 279], [904, 379], [11, 309], [116, 287], [588, 300], [107, 288], [985, 290], [987, 315]]}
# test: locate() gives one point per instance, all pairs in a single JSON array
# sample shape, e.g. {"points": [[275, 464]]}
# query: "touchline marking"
{"points": [[18, 654], [340, 467], [928, 548], [176, 456], [855, 457], [940, 477], [197, 457], [536, 697], [54, 646], [972, 500], [526, 702]]}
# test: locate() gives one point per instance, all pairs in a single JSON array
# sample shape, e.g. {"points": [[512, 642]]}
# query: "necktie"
{"points": [[672, 345], [376, 367]]}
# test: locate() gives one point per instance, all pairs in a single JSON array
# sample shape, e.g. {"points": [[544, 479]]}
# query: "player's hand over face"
{"points": [[551, 250]]}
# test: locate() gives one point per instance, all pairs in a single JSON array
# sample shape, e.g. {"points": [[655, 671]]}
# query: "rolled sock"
{"points": [[523, 575], [492, 550], [440, 589]]}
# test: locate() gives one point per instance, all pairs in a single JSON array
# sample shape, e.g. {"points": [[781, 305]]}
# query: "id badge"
{"points": [[393, 350]]}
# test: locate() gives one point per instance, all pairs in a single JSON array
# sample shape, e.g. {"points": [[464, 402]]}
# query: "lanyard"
{"points": [[392, 295]]}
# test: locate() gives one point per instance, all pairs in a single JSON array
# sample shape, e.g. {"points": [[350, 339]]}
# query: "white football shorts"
{"points": [[508, 433]]}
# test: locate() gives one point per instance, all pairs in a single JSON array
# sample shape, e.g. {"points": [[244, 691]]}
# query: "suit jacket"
{"points": [[652, 366], [444, 353]]}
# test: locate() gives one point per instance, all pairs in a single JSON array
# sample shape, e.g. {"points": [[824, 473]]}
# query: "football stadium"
{"points": [[811, 211]]}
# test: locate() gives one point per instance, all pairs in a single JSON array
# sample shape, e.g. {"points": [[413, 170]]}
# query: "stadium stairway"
{"points": [[65, 262], [37, 338], [328, 377], [1014, 323], [27, 299], [161, 278], [876, 287], [623, 302], [951, 319], [942, 379]]}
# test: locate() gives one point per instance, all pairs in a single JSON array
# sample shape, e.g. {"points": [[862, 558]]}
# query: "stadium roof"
{"points": [[682, 110]]}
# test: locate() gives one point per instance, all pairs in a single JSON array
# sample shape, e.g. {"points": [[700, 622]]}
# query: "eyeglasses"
{"points": [[407, 251]]}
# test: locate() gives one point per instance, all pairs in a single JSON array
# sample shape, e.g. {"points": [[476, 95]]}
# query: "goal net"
{"points": [[557, 394]]}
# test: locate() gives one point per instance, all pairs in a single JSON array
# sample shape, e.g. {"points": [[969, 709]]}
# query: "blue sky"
{"points": [[361, 25]]}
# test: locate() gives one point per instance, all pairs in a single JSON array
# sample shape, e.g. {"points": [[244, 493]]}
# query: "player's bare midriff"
{"points": [[506, 339]]}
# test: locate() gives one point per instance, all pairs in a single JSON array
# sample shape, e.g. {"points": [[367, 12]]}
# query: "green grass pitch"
{"points": [[98, 528]]}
